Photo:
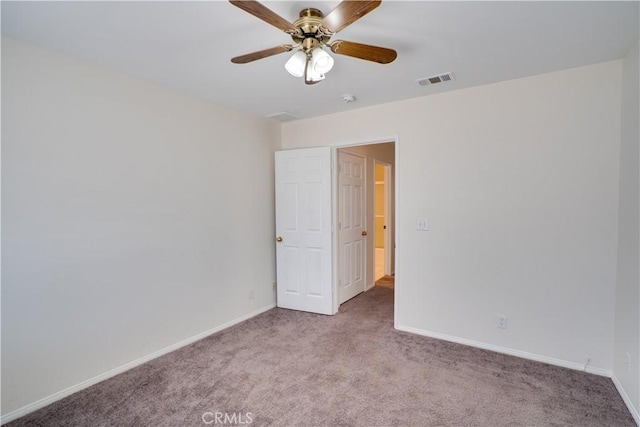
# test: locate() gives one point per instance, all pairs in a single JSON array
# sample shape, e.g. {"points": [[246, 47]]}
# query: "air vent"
{"points": [[440, 78], [283, 117]]}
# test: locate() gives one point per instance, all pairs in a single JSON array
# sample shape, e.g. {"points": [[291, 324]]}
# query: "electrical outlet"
{"points": [[502, 322], [275, 286], [251, 293], [627, 361]]}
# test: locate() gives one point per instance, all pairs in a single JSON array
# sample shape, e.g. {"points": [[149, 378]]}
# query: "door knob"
{"points": [[278, 239], [364, 233]]}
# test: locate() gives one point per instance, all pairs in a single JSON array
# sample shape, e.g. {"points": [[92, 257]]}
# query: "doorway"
{"points": [[308, 266], [378, 219], [382, 228]]}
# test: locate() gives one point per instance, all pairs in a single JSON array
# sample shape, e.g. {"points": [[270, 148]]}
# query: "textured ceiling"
{"points": [[188, 45]]}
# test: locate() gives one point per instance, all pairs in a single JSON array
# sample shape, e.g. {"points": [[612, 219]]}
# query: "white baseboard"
{"points": [[507, 350], [113, 372], [625, 398]]}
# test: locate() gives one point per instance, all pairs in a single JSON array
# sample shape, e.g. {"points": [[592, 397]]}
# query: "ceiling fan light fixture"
{"points": [[322, 62], [296, 64], [313, 76]]}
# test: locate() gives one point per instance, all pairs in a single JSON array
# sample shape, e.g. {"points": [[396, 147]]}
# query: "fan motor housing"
{"points": [[309, 25]]}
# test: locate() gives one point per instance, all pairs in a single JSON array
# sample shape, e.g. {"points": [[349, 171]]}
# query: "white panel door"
{"points": [[351, 226], [303, 230]]}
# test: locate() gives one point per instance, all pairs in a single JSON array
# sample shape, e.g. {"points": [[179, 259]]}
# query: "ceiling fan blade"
{"points": [[378, 54], [346, 13], [267, 15], [249, 57]]}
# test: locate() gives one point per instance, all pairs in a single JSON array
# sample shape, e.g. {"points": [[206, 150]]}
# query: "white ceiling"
{"points": [[188, 45]]}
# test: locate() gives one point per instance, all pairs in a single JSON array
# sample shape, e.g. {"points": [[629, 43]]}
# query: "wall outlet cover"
{"points": [[502, 322]]}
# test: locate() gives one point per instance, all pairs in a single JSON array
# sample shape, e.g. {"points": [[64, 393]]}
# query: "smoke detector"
{"points": [[439, 78], [347, 98]]}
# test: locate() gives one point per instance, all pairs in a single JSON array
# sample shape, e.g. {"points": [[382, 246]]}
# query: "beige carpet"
{"points": [[288, 368]]}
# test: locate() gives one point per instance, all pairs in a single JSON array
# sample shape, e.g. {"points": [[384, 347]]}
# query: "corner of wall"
{"points": [[626, 339]]}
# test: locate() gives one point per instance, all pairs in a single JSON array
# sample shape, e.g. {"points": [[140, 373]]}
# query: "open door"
{"points": [[303, 230], [352, 214]]}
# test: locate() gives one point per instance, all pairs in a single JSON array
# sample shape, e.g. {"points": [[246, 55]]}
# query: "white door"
{"points": [[351, 226], [303, 230]]}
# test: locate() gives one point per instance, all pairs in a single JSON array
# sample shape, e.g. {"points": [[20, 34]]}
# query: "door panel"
{"points": [[351, 224], [303, 221]]}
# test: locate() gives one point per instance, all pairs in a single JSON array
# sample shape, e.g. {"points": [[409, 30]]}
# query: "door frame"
{"points": [[387, 215], [334, 216]]}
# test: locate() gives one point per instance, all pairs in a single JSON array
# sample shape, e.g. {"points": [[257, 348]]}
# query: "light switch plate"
{"points": [[423, 224]]}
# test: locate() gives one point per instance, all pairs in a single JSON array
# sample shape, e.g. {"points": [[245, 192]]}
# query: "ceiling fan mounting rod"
{"points": [[310, 12]]}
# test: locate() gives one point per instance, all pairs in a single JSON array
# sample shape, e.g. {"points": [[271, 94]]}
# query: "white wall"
{"points": [[386, 153], [627, 321], [133, 217], [519, 182]]}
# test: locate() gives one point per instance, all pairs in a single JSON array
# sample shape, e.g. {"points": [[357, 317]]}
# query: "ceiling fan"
{"points": [[311, 33]]}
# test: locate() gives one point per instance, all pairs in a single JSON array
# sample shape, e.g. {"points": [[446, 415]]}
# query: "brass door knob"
{"points": [[278, 239], [364, 233]]}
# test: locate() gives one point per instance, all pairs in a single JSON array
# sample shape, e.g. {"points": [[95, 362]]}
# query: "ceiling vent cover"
{"points": [[440, 78], [283, 117]]}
